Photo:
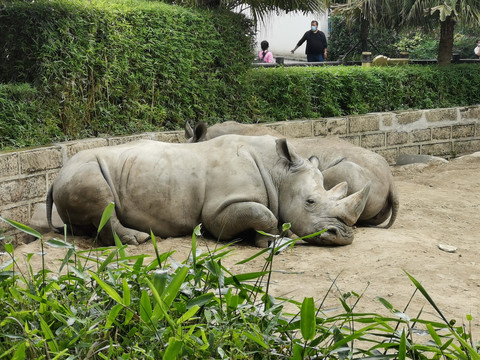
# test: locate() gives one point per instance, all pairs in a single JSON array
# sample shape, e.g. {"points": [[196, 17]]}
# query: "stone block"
{"points": [[353, 139], [277, 126], [409, 150], [123, 139], [436, 115], [40, 159], [23, 189], [442, 133], [437, 149], [73, 147], [386, 119], [9, 164], [337, 126], [466, 147], [397, 138], [372, 140], [463, 131], [390, 155], [298, 129], [319, 127], [421, 135], [408, 117], [169, 136], [470, 113], [17, 213], [364, 123]]}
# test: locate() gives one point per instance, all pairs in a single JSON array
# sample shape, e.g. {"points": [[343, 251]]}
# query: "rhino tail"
{"points": [[394, 203], [49, 207]]}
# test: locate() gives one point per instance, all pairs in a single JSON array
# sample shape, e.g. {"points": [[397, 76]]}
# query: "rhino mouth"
{"points": [[334, 234]]}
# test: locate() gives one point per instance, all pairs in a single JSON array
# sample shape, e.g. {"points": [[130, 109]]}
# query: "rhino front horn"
{"points": [[352, 206]]}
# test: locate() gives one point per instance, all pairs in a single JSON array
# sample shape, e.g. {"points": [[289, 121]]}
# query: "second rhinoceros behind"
{"points": [[230, 184]]}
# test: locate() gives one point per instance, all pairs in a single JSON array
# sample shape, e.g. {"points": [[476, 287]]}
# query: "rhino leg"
{"points": [[240, 217], [126, 235], [81, 197]]}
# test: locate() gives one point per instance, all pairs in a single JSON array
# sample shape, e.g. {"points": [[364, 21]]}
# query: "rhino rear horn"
{"points": [[339, 191], [352, 206]]}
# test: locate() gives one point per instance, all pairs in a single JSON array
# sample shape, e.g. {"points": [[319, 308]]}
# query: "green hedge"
{"points": [[124, 66], [306, 92]]}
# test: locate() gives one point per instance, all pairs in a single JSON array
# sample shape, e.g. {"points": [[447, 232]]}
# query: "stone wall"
{"points": [[25, 175]]}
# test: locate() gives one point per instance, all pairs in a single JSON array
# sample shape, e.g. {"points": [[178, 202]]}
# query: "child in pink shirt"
{"points": [[265, 55]]}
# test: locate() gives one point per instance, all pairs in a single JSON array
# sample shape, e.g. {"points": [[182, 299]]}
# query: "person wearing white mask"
{"points": [[316, 48], [477, 48]]}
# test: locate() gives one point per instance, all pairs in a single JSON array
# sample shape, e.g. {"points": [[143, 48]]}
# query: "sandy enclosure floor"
{"points": [[439, 204]]}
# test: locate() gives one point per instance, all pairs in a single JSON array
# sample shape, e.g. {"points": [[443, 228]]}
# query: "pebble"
{"points": [[447, 248]]}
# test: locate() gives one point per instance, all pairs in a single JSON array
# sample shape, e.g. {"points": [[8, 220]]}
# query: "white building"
{"points": [[284, 31]]}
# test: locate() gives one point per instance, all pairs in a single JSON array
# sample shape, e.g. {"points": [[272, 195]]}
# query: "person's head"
{"points": [[478, 42], [264, 45], [314, 25]]}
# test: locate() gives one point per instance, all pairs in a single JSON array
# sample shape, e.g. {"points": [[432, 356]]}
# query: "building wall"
{"points": [[25, 175]]}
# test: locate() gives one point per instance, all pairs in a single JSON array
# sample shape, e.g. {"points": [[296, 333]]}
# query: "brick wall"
{"points": [[25, 175]]}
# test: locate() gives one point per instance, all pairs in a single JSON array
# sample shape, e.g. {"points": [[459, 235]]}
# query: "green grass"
{"points": [[102, 303]]}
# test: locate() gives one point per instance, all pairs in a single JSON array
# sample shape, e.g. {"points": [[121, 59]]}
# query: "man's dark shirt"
{"points": [[316, 42]]}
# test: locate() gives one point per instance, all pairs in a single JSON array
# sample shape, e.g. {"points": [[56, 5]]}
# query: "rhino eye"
{"points": [[310, 201]]}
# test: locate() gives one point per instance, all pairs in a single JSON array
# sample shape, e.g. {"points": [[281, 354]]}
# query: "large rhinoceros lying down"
{"points": [[230, 184], [339, 161]]}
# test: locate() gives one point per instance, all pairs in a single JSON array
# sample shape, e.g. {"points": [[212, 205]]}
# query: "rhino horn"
{"points": [[339, 191], [351, 207]]}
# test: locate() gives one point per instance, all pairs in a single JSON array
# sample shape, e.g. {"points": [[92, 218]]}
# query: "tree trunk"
{"points": [[446, 41], [364, 31]]}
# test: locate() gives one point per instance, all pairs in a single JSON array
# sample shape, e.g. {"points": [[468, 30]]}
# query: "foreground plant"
{"points": [[104, 304]]}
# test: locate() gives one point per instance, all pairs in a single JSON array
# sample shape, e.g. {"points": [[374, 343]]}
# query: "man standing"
{"points": [[316, 49]]}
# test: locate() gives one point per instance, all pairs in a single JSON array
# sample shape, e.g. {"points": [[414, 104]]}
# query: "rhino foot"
{"points": [[136, 239]]}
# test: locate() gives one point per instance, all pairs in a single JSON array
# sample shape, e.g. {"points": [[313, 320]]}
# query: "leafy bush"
{"points": [[302, 92], [104, 304], [125, 66]]}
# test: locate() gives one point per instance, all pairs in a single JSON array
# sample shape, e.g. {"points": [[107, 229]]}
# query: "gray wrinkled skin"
{"points": [[230, 184], [339, 161]]}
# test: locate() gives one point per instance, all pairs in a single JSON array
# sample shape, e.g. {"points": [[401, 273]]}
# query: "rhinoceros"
{"points": [[230, 185], [339, 161]]}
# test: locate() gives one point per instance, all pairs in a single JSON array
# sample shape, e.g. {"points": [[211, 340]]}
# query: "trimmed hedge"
{"points": [[124, 66], [310, 92]]}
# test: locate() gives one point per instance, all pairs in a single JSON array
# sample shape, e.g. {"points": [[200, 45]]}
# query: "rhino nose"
{"points": [[332, 232], [334, 236]]}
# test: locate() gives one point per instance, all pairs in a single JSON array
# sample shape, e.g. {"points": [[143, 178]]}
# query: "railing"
{"points": [[282, 61]]}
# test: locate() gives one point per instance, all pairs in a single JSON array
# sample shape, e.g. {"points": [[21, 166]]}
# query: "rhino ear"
{"points": [[286, 151], [196, 135], [339, 191], [188, 130], [315, 162], [352, 206]]}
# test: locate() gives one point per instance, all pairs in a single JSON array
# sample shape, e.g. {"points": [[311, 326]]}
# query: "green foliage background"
{"points": [[120, 67], [420, 44]]}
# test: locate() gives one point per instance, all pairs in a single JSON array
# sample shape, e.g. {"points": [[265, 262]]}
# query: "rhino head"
{"points": [[304, 202]]}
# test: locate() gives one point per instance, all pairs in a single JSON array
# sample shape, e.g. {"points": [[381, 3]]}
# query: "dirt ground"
{"points": [[439, 205]]}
